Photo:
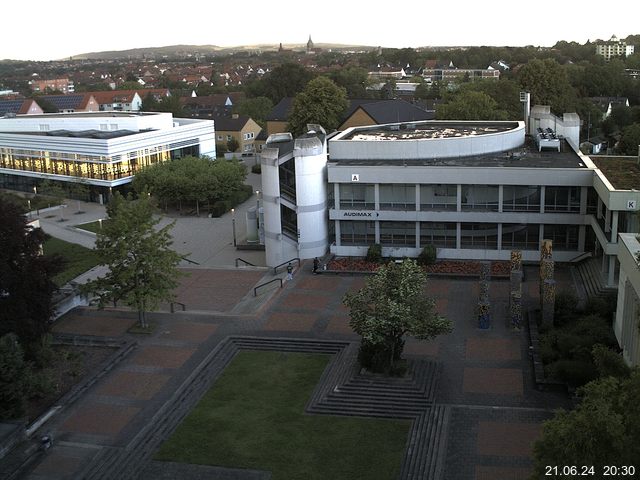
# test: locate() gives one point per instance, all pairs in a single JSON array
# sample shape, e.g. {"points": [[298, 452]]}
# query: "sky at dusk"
{"points": [[48, 30]]}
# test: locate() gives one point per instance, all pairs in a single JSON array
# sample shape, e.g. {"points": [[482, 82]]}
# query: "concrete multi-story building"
{"points": [[102, 150], [474, 190], [614, 48]]}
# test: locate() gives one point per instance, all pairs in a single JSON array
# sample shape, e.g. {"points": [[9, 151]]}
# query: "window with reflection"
{"points": [[564, 237], [520, 236], [398, 234], [357, 233], [479, 235], [438, 234], [562, 199], [438, 197], [397, 196], [354, 196], [480, 197], [520, 198]]}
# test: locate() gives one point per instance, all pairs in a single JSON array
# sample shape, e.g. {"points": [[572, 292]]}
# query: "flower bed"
{"points": [[442, 267]]}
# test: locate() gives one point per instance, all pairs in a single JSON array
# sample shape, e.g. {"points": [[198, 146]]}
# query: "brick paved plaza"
{"points": [[486, 380]]}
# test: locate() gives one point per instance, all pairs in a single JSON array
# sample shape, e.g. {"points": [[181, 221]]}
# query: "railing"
{"points": [[172, 308], [255, 290], [275, 269], [244, 261], [190, 261]]}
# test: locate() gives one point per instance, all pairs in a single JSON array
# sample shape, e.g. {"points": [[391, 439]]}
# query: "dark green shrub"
{"points": [[574, 372], [548, 348], [603, 306], [219, 208], [374, 253], [257, 168], [565, 308], [14, 373], [427, 256], [609, 363]]}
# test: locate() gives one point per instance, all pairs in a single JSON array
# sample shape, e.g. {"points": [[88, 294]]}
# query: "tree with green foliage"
{"points": [[256, 108], [170, 104], [286, 80], [322, 102], [14, 373], [604, 429], [233, 144], [393, 304], [548, 83], [354, 80], [630, 140], [470, 105], [142, 267], [26, 278], [193, 180]]}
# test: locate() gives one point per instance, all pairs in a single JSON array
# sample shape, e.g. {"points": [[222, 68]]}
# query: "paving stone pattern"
{"points": [[475, 409]]}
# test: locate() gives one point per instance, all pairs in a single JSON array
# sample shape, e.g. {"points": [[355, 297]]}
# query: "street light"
{"points": [[233, 225], [29, 205], [100, 223]]}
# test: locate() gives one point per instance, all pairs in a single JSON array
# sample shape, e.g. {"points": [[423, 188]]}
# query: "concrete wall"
{"points": [[626, 323]]}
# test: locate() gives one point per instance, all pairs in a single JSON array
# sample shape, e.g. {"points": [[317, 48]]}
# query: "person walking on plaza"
{"points": [[289, 272], [316, 264]]}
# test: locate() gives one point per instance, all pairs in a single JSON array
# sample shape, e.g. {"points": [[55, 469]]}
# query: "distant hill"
{"points": [[184, 50]]}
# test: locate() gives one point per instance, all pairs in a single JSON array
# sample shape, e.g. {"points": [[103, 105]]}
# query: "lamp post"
{"points": [[29, 206], [233, 225], [100, 223]]}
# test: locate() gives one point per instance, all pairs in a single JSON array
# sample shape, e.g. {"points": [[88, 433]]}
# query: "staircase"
{"points": [[593, 281]]}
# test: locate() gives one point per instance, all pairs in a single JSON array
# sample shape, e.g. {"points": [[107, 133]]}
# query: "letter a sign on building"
{"points": [[355, 177]]}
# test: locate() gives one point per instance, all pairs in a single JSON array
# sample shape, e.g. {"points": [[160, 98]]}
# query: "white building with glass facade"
{"points": [[102, 149]]}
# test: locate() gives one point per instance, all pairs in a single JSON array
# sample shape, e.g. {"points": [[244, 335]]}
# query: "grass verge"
{"points": [[78, 259], [253, 417]]}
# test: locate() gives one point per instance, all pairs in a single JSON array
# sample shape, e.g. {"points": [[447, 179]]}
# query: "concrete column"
{"points": [[417, 198], [417, 234], [500, 200], [612, 271], [614, 227], [336, 195], [459, 204], [583, 200], [377, 231], [603, 268], [337, 231], [599, 210], [582, 235], [607, 221], [376, 198], [542, 200], [541, 235], [500, 228], [458, 232]]}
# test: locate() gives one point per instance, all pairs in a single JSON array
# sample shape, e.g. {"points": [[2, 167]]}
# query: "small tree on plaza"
{"points": [[393, 304], [142, 266]]}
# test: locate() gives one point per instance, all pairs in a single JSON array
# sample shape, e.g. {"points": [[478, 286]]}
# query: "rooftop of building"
{"points": [[622, 172], [526, 156], [97, 134], [89, 115], [444, 129]]}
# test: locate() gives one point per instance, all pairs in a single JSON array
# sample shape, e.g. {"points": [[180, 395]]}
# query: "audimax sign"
{"points": [[361, 214]]}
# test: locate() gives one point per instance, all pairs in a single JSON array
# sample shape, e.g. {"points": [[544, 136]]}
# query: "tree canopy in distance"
{"points": [[322, 102]]}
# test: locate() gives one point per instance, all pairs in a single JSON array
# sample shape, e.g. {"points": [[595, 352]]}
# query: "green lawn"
{"points": [[78, 258], [92, 226], [254, 418]]}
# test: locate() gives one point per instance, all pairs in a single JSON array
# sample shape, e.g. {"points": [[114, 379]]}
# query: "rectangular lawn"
{"points": [[78, 259], [253, 417]]}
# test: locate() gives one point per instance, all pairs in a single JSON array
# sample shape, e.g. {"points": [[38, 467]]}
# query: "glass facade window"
{"points": [[287, 172], [357, 197], [357, 233], [438, 197], [479, 235], [520, 198], [480, 197], [398, 234], [397, 196], [592, 201], [562, 199], [520, 236], [441, 235], [289, 222], [83, 166], [564, 237]]}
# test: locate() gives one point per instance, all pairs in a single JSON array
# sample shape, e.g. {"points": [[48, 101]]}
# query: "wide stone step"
{"points": [[426, 449], [352, 411]]}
